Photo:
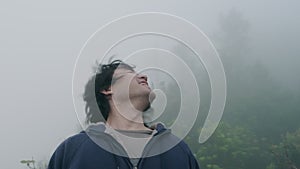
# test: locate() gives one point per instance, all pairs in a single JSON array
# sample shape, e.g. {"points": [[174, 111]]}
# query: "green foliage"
{"points": [[271, 166], [231, 147], [287, 153], [31, 164]]}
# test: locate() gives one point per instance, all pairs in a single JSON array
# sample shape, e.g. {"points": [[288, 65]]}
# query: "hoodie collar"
{"points": [[101, 127]]}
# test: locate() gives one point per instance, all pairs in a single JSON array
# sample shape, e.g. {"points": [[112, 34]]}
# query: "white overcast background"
{"points": [[40, 41]]}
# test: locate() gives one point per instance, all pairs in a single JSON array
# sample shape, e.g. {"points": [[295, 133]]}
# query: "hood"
{"points": [[161, 140], [101, 128]]}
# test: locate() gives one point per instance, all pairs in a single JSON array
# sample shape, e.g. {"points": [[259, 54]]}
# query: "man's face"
{"points": [[127, 85]]}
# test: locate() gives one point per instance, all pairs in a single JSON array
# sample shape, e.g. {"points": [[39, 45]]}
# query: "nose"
{"points": [[142, 76]]}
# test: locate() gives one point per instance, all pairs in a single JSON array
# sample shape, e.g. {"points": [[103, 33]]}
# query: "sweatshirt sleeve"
{"points": [[57, 159], [192, 161], [62, 157]]}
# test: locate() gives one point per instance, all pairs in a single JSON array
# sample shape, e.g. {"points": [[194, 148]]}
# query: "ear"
{"points": [[107, 92]]}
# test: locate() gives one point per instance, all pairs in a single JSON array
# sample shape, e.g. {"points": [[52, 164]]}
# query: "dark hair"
{"points": [[95, 100]]}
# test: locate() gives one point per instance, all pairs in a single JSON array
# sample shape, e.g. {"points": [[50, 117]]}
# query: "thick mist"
{"points": [[257, 41]]}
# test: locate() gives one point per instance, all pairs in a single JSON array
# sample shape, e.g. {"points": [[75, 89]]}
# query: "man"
{"points": [[117, 137]]}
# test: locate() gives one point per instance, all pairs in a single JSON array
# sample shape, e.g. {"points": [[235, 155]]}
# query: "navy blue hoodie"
{"points": [[91, 149]]}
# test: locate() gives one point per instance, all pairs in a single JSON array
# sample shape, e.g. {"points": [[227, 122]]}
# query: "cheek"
{"points": [[132, 88], [133, 83], [123, 89], [135, 86]]}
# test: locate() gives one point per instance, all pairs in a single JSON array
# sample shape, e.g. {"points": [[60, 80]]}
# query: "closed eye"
{"points": [[120, 76]]}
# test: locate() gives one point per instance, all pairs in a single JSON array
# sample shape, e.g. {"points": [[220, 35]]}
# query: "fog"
{"points": [[40, 42]]}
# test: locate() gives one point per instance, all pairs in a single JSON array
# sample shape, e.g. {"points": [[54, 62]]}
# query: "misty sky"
{"points": [[40, 42]]}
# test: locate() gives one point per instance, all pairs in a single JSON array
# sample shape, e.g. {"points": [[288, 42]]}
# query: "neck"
{"points": [[125, 117]]}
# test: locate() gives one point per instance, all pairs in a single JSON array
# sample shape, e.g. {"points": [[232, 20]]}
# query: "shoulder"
{"points": [[65, 151], [74, 151], [182, 151], [172, 142], [79, 137], [74, 141], [184, 147], [179, 150], [70, 145]]}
